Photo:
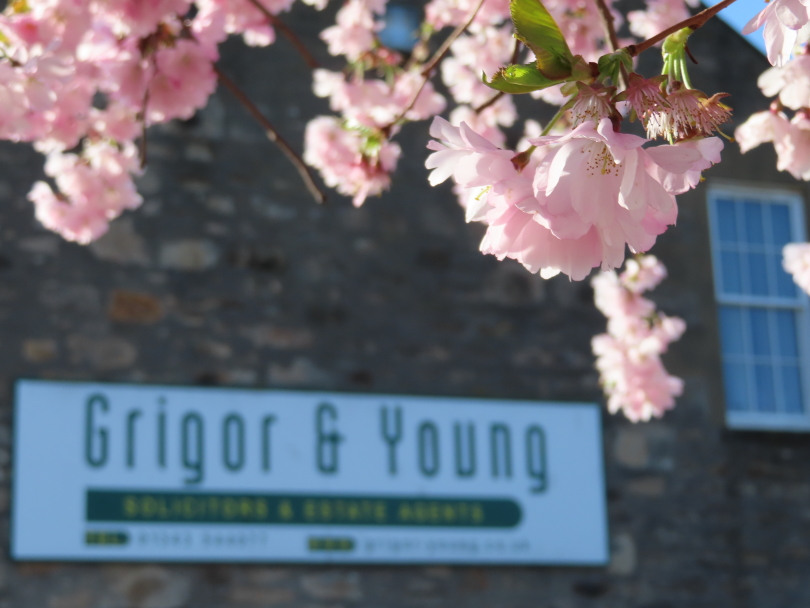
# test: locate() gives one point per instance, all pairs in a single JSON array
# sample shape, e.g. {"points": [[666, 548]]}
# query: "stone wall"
{"points": [[231, 275]]}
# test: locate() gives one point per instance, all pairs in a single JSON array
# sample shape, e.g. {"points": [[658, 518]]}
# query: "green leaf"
{"points": [[518, 79], [611, 64], [537, 29]]}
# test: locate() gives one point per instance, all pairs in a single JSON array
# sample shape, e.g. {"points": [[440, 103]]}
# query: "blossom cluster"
{"points": [[790, 135], [782, 21], [83, 79], [796, 262], [628, 356], [354, 153], [366, 94], [572, 202]]}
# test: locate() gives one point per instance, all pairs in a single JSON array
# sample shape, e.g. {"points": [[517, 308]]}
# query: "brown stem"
{"points": [[606, 17], [694, 22], [272, 135], [142, 143], [142, 114], [431, 64], [442, 51], [489, 102], [291, 36], [608, 24]]}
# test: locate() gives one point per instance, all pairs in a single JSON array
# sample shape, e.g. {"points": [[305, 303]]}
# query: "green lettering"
{"points": [[428, 442], [328, 441], [536, 457], [192, 452], [233, 424], [95, 457], [391, 439]]}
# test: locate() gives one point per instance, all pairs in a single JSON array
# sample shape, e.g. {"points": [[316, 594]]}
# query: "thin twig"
{"points": [[442, 51], [489, 102], [142, 143], [291, 36], [694, 22], [427, 70], [142, 115], [273, 135], [499, 94], [606, 17]]}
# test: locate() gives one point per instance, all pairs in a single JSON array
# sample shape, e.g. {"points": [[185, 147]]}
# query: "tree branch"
{"points": [[272, 135], [489, 102], [694, 22], [606, 17], [277, 23]]}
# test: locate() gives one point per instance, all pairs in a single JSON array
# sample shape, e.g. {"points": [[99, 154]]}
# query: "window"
{"points": [[401, 29], [763, 315]]}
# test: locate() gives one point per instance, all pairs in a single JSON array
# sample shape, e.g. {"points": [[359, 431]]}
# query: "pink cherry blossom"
{"points": [[593, 190], [791, 82], [140, 17], [184, 79], [658, 16], [760, 128], [94, 188], [375, 103], [441, 13], [643, 274], [597, 178], [708, 148], [782, 20], [355, 30], [796, 261], [592, 103], [483, 51], [629, 354], [347, 161]]}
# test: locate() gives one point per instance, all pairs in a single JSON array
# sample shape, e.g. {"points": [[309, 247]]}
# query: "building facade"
{"points": [[230, 275]]}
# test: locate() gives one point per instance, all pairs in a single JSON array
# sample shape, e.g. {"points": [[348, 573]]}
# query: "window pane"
{"points": [[401, 29], [730, 271], [734, 379], [760, 336], [754, 228], [791, 386], [766, 399], [786, 330], [757, 274], [780, 224], [727, 222], [731, 330], [785, 287]]}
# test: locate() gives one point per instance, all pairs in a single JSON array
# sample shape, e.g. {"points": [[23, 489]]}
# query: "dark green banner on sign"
{"points": [[297, 509]]}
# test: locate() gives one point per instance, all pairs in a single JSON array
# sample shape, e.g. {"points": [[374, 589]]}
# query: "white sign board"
{"points": [[106, 472]]}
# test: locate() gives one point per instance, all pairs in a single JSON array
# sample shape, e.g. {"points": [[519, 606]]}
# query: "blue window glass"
{"points": [[758, 274], [792, 388], [760, 334], [766, 397], [731, 330], [727, 221], [401, 27], [786, 331], [760, 309], [754, 229], [780, 225], [730, 271]]}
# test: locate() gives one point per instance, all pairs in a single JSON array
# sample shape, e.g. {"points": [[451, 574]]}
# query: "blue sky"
{"points": [[738, 14]]}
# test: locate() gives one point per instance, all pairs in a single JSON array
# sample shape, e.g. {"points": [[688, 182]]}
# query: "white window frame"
{"points": [[765, 421]]}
